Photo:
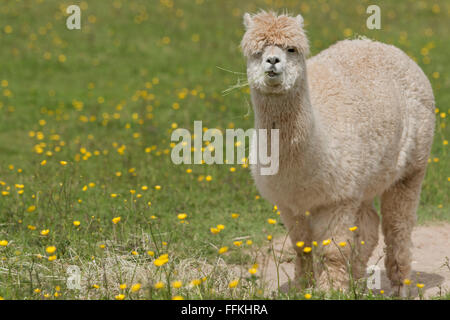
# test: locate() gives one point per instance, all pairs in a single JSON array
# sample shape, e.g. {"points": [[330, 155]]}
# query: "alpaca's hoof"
{"points": [[303, 282], [399, 291]]}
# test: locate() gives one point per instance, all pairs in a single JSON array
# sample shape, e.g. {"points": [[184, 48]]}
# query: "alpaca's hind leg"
{"points": [[298, 230], [398, 209], [333, 257], [366, 238]]}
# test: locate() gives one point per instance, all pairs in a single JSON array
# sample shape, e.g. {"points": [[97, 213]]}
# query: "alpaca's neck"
{"points": [[301, 137]]}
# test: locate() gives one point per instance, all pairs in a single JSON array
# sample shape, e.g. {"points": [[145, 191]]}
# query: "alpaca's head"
{"points": [[275, 47]]}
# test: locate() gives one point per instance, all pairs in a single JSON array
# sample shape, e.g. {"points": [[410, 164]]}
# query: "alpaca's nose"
{"points": [[273, 60]]}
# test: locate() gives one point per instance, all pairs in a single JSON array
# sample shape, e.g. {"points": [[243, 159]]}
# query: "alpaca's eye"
{"points": [[256, 55], [292, 50]]}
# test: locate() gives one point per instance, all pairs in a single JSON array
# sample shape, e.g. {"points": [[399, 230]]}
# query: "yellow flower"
{"points": [[381, 291], [95, 286], [45, 232], [407, 282], [348, 32], [233, 284], [3, 243], [307, 249], [353, 228], [182, 216], [249, 242], [63, 163], [307, 213], [314, 243], [269, 237], [223, 250], [134, 253], [420, 285], [252, 270], [157, 187], [161, 260], [120, 297], [136, 287], [50, 249], [235, 215], [150, 253], [31, 208], [116, 220], [177, 298], [271, 221], [342, 244], [123, 286], [51, 258], [159, 285], [326, 242], [76, 223], [214, 230], [308, 296], [300, 244], [177, 284], [196, 282], [237, 243], [220, 226], [37, 290]]}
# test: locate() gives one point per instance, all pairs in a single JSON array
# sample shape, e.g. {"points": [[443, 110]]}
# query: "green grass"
{"points": [[130, 63]]}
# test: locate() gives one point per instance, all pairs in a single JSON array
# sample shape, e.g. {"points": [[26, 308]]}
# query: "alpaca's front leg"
{"points": [[300, 233], [336, 242]]}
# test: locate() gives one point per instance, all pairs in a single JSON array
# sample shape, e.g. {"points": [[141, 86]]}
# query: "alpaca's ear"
{"points": [[247, 20], [300, 20]]}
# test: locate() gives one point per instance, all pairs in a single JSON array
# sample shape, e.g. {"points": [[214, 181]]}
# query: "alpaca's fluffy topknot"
{"points": [[268, 28]]}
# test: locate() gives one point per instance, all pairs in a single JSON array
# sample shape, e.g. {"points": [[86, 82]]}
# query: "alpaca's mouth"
{"points": [[272, 74]]}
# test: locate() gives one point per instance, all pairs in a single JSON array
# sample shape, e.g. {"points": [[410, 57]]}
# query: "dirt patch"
{"points": [[431, 251]]}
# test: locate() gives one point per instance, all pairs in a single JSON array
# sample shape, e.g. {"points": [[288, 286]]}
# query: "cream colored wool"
{"points": [[356, 121]]}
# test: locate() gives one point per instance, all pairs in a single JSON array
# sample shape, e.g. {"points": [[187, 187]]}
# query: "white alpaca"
{"points": [[356, 121]]}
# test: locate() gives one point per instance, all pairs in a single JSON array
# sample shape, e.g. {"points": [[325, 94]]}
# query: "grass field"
{"points": [[85, 123]]}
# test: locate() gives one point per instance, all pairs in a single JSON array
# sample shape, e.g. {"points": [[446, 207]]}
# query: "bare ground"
{"points": [[431, 251]]}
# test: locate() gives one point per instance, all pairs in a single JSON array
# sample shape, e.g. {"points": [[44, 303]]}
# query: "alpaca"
{"points": [[355, 122]]}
